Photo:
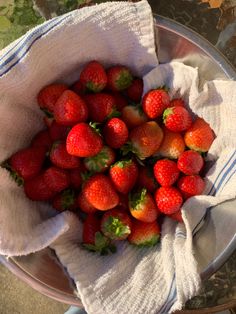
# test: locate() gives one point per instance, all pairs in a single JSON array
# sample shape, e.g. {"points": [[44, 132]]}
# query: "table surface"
{"points": [[213, 19]]}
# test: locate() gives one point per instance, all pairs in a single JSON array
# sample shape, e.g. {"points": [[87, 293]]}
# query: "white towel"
{"points": [[156, 280]]}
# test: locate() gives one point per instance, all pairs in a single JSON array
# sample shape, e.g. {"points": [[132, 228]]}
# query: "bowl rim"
{"points": [[227, 68]]}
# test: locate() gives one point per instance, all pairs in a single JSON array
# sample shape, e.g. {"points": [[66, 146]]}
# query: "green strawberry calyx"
{"points": [[114, 114], [137, 199], [122, 164], [97, 162], [94, 87], [115, 229], [149, 241], [123, 80], [167, 112], [128, 148], [101, 245], [163, 87], [48, 113], [96, 127], [68, 198], [16, 177]]}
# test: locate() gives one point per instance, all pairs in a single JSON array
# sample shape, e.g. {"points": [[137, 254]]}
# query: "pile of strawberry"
{"points": [[120, 161]]}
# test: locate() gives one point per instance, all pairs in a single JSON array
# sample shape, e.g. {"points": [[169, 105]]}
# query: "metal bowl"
{"points": [[41, 270]]}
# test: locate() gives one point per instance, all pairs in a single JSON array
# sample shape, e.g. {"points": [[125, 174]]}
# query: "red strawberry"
{"points": [[84, 205], [120, 100], [75, 178], [115, 133], [27, 163], [93, 239], [42, 139], [135, 91], [116, 224], [177, 216], [177, 102], [200, 136], [57, 179], [119, 78], [78, 88], [58, 132], [190, 162], [100, 192], [166, 172], [37, 189], [48, 96], [191, 185], [146, 179], [172, 146], [101, 106], [101, 161], [83, 141], [146, 139], [124, 174], [93, 77], [155, 102], [123, 202], [143, 207], [168, 199], [144, 233], [70, 109], [133, 116], [66, 200], [60, 157], [177, 119]]}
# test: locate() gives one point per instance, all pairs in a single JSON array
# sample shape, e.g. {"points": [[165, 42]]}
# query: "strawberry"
{"points": [[191, 185], [78, 88], [101, 106], [120, 100], [66, 200], [27, 163], [93, 77], [115, 133], [166, 172], [155, 102], [177, 119], [143, 207], [70, 109], [124, 174], [42, 139], [83, 141], [101, 161], [200, 136], [60, 157], [116, 224], [172, 146], [75, 178], [135, 90], [48, 96], [119, 78], [190, 162], [177, 216], [84, 205], [93, 239], [144, 233], [57, 179], [37, 189], [146, 179], [100, 193], [145, 139], [177, 102], [168, 199], [123, 202], [133, 116], [57, 131]]}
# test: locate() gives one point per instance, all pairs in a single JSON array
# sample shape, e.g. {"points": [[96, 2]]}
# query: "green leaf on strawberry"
{"points": [[101, 245]]}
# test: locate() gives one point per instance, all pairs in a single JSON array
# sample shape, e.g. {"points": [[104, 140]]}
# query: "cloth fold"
{"points": [[153, 280]]}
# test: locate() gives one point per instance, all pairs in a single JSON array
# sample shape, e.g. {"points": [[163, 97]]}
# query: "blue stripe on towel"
{"points": [[170, 299], [23, 46], [220, 174]]}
